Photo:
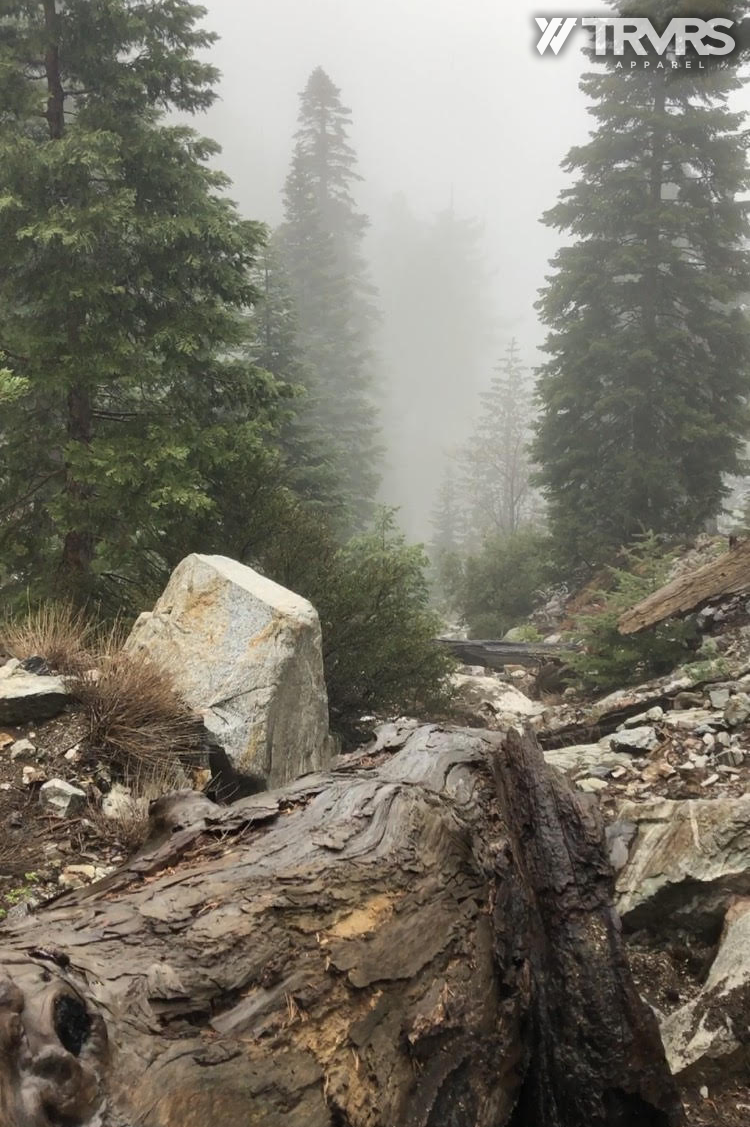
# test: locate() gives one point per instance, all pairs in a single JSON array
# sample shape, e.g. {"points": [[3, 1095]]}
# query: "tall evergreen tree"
{"points": [[495, 460], [643, 396], [320, 243], [448, 518], [275, 347], [123, 276]]}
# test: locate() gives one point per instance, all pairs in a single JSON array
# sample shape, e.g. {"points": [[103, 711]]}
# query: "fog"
{"points": [[453, 110]]}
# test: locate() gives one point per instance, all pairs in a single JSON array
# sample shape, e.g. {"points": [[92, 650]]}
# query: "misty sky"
{"points": [[451, 104]]}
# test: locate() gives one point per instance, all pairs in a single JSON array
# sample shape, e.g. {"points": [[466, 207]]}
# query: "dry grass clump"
{"points": [[135, 717], [129, 826], [58, 632]]}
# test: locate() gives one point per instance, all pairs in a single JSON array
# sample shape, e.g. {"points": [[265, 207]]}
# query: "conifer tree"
{"points": [[448, 521], [643, 396], [275, 347], [123, 276], [320, 243], [495, 460]]}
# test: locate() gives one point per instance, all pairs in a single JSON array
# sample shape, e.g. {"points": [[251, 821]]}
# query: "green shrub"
{"points": [[501, 582], [372, 596], [609, 660]]}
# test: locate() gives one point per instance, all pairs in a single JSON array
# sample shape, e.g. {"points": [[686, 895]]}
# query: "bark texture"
{"points": [[423, 938], [728, 575]]}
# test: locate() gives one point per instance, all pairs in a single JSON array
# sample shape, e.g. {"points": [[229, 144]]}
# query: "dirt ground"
{"points": [[36, 845]]}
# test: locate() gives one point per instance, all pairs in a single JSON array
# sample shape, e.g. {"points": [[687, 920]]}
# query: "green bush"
{"points": [[502, 581], [372, 596], [609, 660]]}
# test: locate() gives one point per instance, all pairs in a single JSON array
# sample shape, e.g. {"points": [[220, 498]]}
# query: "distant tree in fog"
{"points": [[643, 396], [448, 517], [495, 461], [276, 348], [320, 246], [436, 346]]}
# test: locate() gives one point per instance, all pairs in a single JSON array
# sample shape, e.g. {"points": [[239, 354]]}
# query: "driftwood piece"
{"points": [[496, 655], [727, 575], [423, 939]]}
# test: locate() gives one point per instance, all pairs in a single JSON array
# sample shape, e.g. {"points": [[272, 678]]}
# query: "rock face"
{"points": [[687, 861], [710, 1033], [246, 653], [26, 696], [490, 702]]}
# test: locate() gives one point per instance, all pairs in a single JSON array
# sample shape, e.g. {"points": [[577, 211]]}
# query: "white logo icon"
{"points": [[554, 32]]}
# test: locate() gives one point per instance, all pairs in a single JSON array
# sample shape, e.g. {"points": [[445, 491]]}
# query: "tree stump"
{"points": [[422, 938]]}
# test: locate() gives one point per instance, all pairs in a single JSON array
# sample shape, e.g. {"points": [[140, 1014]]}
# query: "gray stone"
{"points": [[731, 757], [26, 697], [699, 720], [23, 749], [688, 859], [719, 698], [584, 759], [636, 739], [246, 654], [619, 837], [591, 785], [63, 798], [737, 710], [708, 1036], [653, 716]]}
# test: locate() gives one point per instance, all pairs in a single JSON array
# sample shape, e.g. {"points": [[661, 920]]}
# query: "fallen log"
{"points": [[727, 575], [423, 938], [496, 655]]}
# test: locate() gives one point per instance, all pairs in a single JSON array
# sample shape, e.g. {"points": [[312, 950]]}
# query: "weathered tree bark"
{"points": [[424, 938], [727, 575]]}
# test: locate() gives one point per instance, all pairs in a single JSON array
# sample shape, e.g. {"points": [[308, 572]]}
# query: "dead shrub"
{"points": [[129, 828], [135, 718], [58, 632]]}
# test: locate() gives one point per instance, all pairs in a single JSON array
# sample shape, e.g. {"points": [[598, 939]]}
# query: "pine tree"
{"points": [[320, 244], [495, 460], [123, 276], [643, 397], [448, 520], [275, 347]]}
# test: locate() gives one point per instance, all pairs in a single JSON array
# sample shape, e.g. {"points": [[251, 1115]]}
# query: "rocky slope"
{"points": [[667, 764]]}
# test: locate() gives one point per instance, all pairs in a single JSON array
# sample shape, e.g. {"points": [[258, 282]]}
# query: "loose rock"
{"points": [[63, 798]]}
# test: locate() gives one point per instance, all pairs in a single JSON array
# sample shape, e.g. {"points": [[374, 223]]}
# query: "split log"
{"points": [[423, 938], [727, 575]]}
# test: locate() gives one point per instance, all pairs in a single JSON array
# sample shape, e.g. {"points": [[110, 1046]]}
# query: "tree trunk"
{"points": [[78, 543], [424, 938]]}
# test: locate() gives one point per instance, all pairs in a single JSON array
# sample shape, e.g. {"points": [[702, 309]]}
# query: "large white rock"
{"points": [[490, 702], [711, 1031], [247, 654], [687, 860]]}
